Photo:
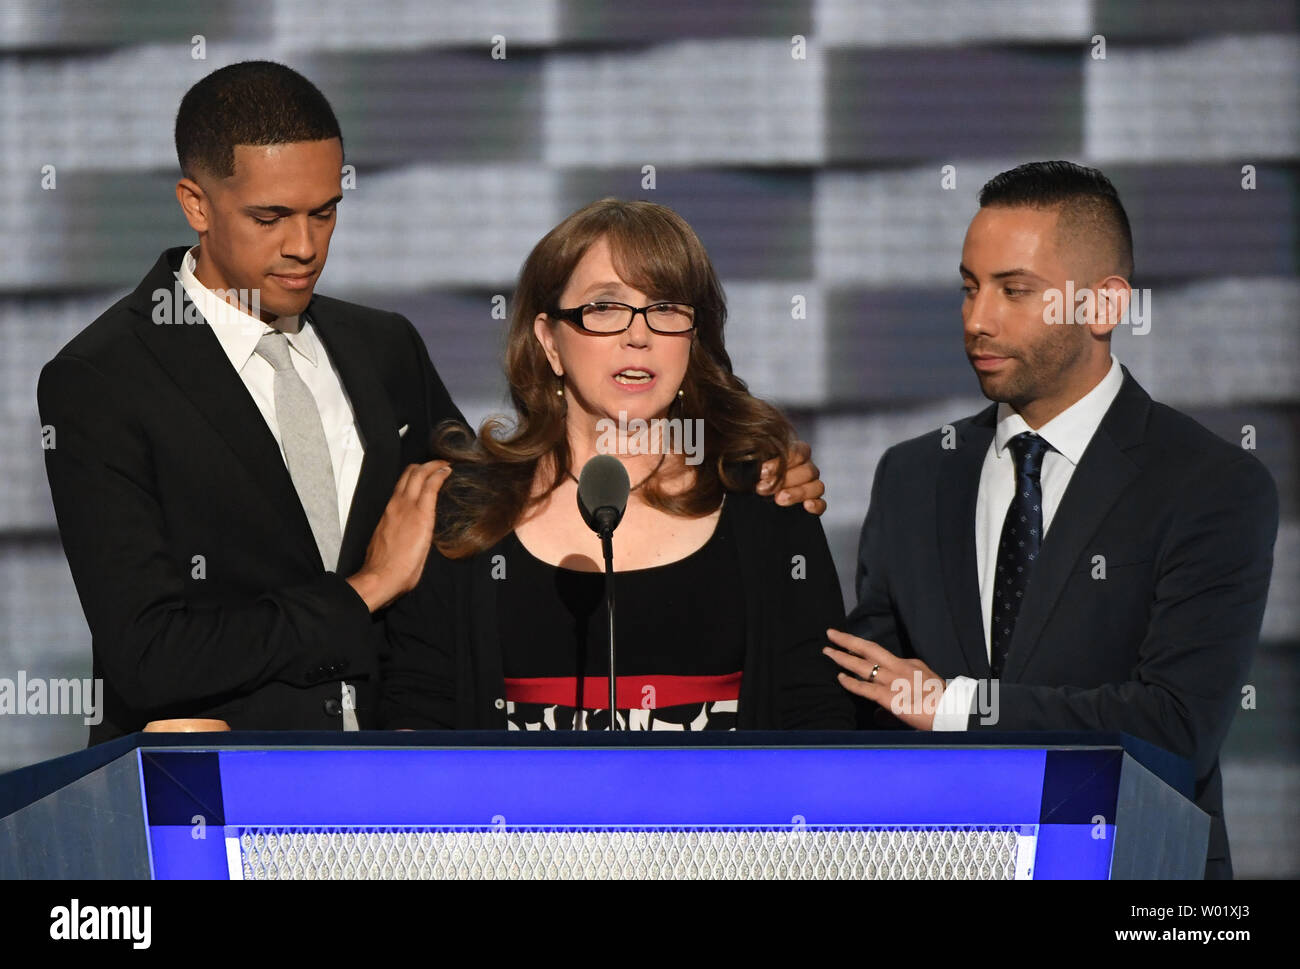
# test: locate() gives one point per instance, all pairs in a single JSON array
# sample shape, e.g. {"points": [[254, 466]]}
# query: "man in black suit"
{"points": [[1079, 554], [222, 444], [181, 453]]}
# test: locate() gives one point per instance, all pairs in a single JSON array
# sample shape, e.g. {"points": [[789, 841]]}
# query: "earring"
{"points": [[559, 391], [680, 394]]}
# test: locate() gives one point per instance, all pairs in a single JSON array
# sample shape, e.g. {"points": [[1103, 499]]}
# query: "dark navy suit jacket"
{"points": [[1159, 648]]}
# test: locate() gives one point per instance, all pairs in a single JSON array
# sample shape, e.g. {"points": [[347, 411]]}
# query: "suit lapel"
{"points": [[958, 489], [374, 416], [1103, 474], [193, 357]]}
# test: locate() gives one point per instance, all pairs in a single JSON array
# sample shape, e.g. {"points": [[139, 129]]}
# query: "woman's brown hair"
{"points": [[656, 251]]}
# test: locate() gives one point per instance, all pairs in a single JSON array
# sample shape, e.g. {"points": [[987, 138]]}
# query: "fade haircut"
{"points": [[249, 103], [1092, 227]]}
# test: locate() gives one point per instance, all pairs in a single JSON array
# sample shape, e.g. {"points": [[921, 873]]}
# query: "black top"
{"points": [[445, 665], [680, 639]]}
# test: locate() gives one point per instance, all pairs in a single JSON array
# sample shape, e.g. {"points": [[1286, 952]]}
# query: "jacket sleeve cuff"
{"points": [[349, 639]]}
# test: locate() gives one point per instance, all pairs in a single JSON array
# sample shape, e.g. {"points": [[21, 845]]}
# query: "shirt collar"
{"points": [[1070, 431], [238, 332]]}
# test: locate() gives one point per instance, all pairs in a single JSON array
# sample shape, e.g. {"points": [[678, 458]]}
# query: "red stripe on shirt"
{"points": [[666, 691]]}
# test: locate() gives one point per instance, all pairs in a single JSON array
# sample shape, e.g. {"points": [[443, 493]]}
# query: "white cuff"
{"points": [[956, 704]]}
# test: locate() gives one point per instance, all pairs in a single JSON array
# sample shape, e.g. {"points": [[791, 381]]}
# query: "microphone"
{"points": [[603, 488]]}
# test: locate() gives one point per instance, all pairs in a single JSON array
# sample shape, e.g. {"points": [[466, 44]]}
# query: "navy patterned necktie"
{"points": [[1022, 536]]}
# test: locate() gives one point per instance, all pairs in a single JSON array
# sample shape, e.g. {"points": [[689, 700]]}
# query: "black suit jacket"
{"points": [[1159, 648], [192, 556]]}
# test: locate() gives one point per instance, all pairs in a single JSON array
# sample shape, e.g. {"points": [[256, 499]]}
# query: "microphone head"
{"points": [[603, 488]]}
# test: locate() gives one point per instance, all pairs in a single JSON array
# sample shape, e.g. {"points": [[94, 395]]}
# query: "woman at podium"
{"points": [[615, 346]]}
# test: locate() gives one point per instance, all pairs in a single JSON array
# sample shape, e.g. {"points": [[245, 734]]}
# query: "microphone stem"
{"points": [[607, 544]]}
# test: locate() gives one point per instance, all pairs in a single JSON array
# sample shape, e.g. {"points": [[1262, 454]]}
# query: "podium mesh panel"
{"points": [[669, 852]]}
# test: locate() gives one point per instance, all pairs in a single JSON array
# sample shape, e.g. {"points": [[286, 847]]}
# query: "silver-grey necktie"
{"points": [[308, 455], [305, 449]]}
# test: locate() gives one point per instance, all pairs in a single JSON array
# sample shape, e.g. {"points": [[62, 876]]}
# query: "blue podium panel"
{"points": [[629, 787], [765, 806]]}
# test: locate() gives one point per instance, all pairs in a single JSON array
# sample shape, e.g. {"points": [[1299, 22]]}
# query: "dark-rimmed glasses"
{"points": [[606, 316]]}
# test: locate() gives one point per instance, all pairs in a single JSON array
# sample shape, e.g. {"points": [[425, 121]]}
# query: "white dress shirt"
{"points": [[238, 333], [1069, 434]]}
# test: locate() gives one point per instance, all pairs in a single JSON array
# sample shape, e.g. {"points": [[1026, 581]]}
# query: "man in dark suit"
{"points": [[1077, 556], [225, 442], [222, 444]]}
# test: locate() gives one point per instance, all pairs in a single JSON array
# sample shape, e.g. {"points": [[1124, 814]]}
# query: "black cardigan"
{"points": [[442, 667]]}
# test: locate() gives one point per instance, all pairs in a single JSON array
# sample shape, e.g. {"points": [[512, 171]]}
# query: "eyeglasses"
{"points": [[608, 317]]}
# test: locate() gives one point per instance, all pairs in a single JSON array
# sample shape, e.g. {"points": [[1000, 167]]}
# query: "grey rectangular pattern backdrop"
{"points": [[829, 152]]}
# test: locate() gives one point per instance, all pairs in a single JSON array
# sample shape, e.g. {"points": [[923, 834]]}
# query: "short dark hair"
{"points": [[249, 103], [1091, 211]]}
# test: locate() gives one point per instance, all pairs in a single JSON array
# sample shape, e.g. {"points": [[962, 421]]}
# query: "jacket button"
{"points": [[499, 703], [333, 707]]}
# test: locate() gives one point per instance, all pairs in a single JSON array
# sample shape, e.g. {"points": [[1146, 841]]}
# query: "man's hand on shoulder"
{"points": [[802, 481], [397, 551]]}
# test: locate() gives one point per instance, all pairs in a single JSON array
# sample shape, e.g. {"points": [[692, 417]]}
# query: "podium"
{"points": [[823, 805]]}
